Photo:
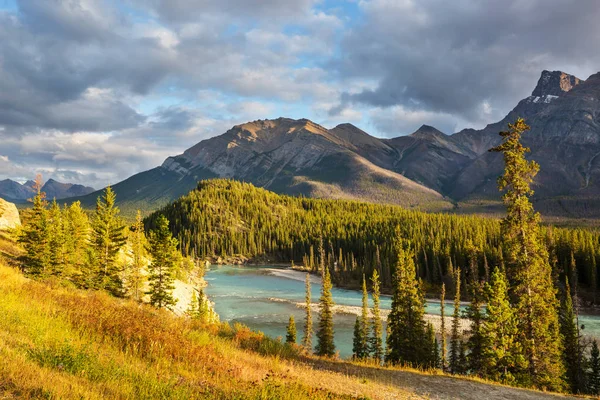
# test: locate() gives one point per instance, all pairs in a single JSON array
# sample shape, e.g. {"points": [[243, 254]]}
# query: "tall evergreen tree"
{"points": [[527, 264], [376, 340], [475, 341], [501, 359], [56, 240], [163, 250], [572, 354], [364, 320], [290, 336], [139, 244], [407, 341], [35, 234], [593, 375], [443, 327], [455, 342], [357, 351], [325, 345], [107, 239], [308, 322], [77, 241]]}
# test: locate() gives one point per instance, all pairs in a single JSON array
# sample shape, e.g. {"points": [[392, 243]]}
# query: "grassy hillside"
{"points": [[57, 342]]}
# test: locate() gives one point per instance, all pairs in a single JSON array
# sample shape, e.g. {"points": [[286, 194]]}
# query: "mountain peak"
{"points": [[555, 83], [427, 131]]}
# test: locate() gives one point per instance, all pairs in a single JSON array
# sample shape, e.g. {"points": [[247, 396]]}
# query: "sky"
{"points": [[94, 91]]}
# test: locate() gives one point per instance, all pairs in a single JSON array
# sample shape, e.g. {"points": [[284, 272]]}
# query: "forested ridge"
{"points": [[227, 217]]}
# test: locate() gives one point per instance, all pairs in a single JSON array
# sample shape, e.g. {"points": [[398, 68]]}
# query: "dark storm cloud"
{"points": [[454, 56]]}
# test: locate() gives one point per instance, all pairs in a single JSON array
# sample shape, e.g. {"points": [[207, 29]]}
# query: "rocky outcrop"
{"points": [[9, 215]]}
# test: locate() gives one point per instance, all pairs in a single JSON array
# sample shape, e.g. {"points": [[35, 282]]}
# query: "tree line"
{"points": [[523, 328], [96, 250]]}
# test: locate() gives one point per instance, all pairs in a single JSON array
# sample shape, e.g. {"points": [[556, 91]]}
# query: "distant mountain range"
{"points": [[19, 193], [426, 169]]}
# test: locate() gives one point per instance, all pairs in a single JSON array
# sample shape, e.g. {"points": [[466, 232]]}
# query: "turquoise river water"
{"points": [[264, 297]]}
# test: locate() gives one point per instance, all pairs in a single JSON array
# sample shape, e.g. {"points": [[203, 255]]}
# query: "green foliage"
{"points": [[35, 236], [138, 262], [455, 364], [475, 340], [290, 336], [527, 264], [501, 358], [376, 339], [325, 345], [407, 342], [107, 240], [163, 249], [308, 322], [572, 352], [593, 374], [443, 327], [361, 335]]}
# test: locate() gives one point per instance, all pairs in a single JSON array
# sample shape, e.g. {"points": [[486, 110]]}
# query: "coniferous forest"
{"points": [[523, 281]]}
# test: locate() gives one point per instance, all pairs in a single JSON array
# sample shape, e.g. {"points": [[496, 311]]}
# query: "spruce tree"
{"points": [[290, 336], [138, 262], [325, 345], [376, 339], [443, 327], [308, 322], [163, 251], [56, 240], [107, 240], [77, 241], [593, 375], [35, 235], [474, 342], [455, 342], [407, 342], [357, 351], [527, 265], [572, 354], [502, 358], [364, 321]]}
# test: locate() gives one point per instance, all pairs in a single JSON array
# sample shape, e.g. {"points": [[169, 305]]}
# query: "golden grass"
{"points": [[60, 343]]}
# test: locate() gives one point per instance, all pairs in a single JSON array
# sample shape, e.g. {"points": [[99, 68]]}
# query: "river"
{"points": [[264, 297]]}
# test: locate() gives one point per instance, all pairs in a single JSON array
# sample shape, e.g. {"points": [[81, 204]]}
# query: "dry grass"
{"points": [[59, 343]]}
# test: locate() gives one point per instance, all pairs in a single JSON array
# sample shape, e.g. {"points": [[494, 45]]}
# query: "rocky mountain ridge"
{"points": [[16, 192], [425, 168]]}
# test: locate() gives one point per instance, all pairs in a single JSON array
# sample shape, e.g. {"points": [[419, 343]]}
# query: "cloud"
{"points": [[465, 57]]}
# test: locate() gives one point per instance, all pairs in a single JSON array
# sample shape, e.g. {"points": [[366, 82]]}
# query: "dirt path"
{"points": [[433, 386]]}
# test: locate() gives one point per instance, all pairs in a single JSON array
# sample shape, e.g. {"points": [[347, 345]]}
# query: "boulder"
{"points": [[9, 215]]}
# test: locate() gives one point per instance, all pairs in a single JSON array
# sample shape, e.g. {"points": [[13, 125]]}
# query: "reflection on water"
{"points": [[264, 298]]}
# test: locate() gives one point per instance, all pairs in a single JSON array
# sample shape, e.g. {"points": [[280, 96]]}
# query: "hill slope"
{"points": [[71, 344]]}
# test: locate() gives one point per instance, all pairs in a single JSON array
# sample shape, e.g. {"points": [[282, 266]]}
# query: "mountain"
{"points": [[427, 169], [288, 156], [19, 193]]}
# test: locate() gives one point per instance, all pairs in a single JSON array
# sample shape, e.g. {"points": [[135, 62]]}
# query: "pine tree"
{"points": [[357, 351], [443, 327], [593, 375], [475, 341], [77, 242], [325, 345], [56, 240], [163, 251], [376, 340], [502, 359], [138, 248], [308, 322], [432, 360], [572, 354], [364, 321], [527, 265], [290, 336], [35, 235], [407, 342], [107, 240], [455, 342]]}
